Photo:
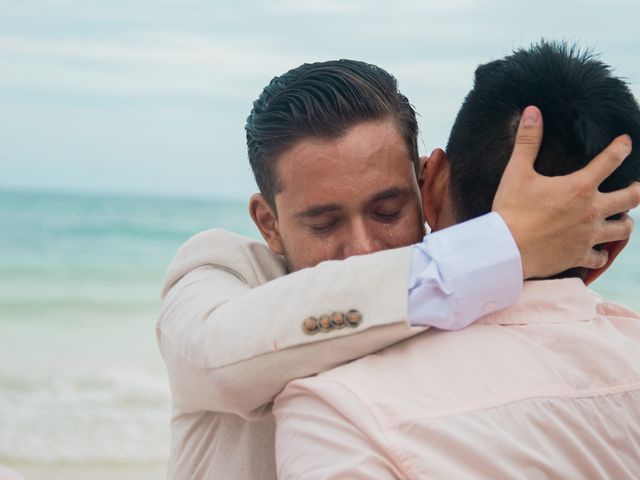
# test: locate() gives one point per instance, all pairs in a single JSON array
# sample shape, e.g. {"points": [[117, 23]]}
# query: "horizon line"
{"points": [[105, 192]]}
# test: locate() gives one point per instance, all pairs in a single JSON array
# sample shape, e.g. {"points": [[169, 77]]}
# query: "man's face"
{"points": [[352, 195]]}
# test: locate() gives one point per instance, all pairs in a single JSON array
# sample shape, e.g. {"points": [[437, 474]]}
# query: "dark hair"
{"points": [[584, 107], [323, 100]]}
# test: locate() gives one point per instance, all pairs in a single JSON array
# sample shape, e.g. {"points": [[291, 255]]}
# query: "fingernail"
{"points": [[626, 139], [530, 117]]}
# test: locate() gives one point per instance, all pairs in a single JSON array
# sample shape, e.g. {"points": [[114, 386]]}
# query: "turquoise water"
{"points": [[100, 245], [81, 380]]}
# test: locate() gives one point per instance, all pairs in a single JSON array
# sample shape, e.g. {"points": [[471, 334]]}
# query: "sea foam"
{"points": [[110, 416]]}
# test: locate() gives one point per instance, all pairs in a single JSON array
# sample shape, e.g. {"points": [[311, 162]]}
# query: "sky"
{"points": [[150, 97]]}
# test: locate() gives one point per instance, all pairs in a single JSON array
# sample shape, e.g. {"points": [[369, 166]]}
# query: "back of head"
{"points": [[322, 100], [584, 107]]}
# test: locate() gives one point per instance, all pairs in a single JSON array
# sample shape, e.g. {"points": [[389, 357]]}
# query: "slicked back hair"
{"points": [[322, 100], [584, 107]]}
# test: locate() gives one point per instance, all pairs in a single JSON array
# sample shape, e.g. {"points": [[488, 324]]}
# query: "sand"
{"points": [[31, 471]]}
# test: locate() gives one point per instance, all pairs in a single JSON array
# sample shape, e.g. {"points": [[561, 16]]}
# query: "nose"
{"points": [[362, 240]]}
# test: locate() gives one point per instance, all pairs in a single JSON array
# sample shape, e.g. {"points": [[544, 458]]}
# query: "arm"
{"points": [[231, 332], [231, 328]]}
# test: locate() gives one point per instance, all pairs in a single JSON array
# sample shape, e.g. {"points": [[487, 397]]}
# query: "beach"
{"points": [[83, 390], [90, 471]]}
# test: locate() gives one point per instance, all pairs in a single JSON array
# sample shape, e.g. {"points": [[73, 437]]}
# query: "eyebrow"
{"points": [[319, 210], [392, 192], [316, 211]]}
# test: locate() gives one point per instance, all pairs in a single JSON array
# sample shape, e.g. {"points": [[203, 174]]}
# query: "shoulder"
{"points": [[250, 260], [349, 387], [218, 246], [612, 309]]}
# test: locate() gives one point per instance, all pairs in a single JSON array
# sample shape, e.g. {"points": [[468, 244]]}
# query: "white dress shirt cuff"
{"points": [[464, 272]]}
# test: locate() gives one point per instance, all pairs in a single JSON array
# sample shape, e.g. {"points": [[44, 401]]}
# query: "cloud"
{"points": [[366, 7], [129, 84], [138, 64]]}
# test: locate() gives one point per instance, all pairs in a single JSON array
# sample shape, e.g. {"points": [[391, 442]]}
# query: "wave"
{"points": [[110, 416]]}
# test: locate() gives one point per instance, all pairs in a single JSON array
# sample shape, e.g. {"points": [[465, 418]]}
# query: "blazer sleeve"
{"points": [[231, 325]]}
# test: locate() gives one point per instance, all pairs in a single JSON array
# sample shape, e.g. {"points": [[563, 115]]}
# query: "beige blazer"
{"points": [[235, 329]]}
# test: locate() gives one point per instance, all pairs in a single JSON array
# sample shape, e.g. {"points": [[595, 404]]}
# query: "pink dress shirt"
{"points": [[548, 388]]}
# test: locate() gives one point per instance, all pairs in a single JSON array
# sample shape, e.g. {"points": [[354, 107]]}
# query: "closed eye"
{"points": [[323, 228], [388, 217]]}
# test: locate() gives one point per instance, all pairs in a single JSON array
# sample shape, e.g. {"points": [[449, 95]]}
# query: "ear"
{"points": [[423, 163], [267, 222], [434, 184], [614, 248]]}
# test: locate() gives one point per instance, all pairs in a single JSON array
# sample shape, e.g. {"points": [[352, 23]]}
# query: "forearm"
{"points": [[232, 348], [247, 388], [232, 340]]}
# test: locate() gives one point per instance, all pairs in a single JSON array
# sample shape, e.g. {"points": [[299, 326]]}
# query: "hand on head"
{"points": [[557, 221]]}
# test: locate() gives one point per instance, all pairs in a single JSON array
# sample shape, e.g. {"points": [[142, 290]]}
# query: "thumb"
{"points": [[528, 140]]}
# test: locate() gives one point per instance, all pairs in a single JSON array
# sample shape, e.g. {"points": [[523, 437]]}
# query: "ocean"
{"points": [[81, 379]]}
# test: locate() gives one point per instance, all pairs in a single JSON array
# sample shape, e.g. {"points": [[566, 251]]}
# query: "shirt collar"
{"points": [[548, 301]]}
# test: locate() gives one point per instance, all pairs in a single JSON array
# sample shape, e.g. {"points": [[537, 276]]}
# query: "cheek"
{"points": [[406, 231], [396, 238], [306, 250]]}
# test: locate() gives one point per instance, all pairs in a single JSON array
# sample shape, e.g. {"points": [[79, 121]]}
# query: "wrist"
{"points": [[520, 239]]}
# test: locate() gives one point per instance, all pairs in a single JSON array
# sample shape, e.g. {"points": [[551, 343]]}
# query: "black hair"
{"points": [[584, 107], [322, 100]]}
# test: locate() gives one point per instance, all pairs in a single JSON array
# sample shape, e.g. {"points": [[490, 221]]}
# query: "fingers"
{"points": [[528, 140], [621, 200], [607, 161], [614, 230]]}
